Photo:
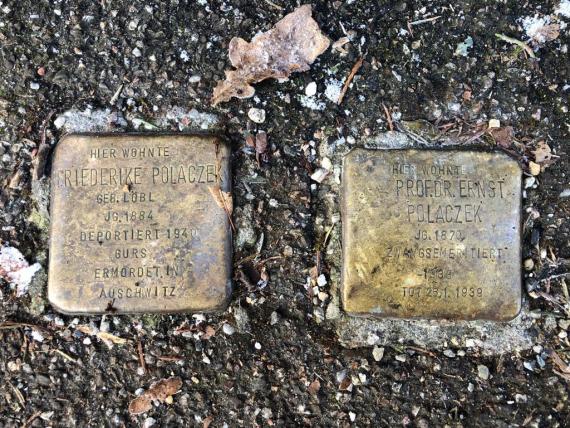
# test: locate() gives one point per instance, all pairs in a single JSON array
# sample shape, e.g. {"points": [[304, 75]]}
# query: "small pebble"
{"points": [[228, 329], [34, 86], [401, 358], [149, 422], [494, 123], [321, 280], [59, 122], [257, 346], [257, 115], [528, 264], [529, 182], [274, 318], [377, 353], [449, 353], [311, 89], [483, 372], [319, 175]]}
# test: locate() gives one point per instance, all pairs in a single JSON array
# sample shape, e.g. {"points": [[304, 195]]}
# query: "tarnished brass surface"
{"points": [[134, 225], [431, 234]]}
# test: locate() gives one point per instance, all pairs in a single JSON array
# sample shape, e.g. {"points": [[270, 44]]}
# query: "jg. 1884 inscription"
{"points": [[431, 234], [135, 226]]}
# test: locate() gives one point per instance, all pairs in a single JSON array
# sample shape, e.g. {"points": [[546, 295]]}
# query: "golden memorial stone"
{"points": [[137, 224], [431, 234]]}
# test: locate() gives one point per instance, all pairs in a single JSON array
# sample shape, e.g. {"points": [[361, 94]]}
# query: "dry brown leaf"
{"points": [[223, 199], [207, 421], [314, 387], [209, 332], [345, 384], [292, 45], [250, 140], [563, 368], [546, 33], [159, 391], [261, 142], [503, 136]]}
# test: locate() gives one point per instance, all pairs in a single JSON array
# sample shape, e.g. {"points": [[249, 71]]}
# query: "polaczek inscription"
{"points": [[431, 234], [135, 225]]}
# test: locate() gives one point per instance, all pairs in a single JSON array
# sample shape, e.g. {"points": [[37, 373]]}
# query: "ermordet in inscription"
{"points": [[431, 234], [135, 226]]}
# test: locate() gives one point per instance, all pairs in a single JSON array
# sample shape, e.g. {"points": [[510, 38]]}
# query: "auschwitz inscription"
{"points": [[135, 227], [431, 234]]}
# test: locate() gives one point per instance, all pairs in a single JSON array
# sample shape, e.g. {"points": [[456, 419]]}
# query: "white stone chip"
{"points": [[311, 89], [377, 353], [483, 372], [257, 115]]}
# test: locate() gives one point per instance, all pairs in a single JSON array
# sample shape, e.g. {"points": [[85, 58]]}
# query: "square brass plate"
{"points": [[431, 234], [135, 226]]}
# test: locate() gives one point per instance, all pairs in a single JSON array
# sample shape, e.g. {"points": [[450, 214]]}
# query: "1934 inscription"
{"points": [[135, 226], [431, 234]]}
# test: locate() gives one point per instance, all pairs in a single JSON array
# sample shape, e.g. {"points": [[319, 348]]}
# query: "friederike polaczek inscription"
{"points": [[431, 234], [135, 225]]}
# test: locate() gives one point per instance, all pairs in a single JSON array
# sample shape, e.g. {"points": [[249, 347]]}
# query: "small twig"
{"points": [[327, 236], [67, 357], [423, 21], [560, 275], [388, 117], [117, 93], [349, 78], [31, 419], [270, 3], [18, 394], [519, 43], [417, 138], [9, 325], [262, 262], [422, 350], [227, 210], [170, 358], [43, 150], [141, 355]]}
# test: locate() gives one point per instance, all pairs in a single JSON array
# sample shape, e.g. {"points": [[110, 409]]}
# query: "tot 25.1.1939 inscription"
{"points": [[135, 227], [431, 234]]}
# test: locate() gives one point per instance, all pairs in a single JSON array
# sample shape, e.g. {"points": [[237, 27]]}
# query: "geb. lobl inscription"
{"points": [[431, 234], [135, 227]]}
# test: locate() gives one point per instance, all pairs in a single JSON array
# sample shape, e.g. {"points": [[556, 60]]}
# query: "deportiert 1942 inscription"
{"points": [[137, 224], [431, 234]]}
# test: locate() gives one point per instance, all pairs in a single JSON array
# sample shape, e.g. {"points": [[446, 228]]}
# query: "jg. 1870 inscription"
{"points": [[135, 226], [431, 234]]}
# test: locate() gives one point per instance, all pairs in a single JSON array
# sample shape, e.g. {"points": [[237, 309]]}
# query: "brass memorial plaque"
{"points": [[137, 224], [431, 234]]}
